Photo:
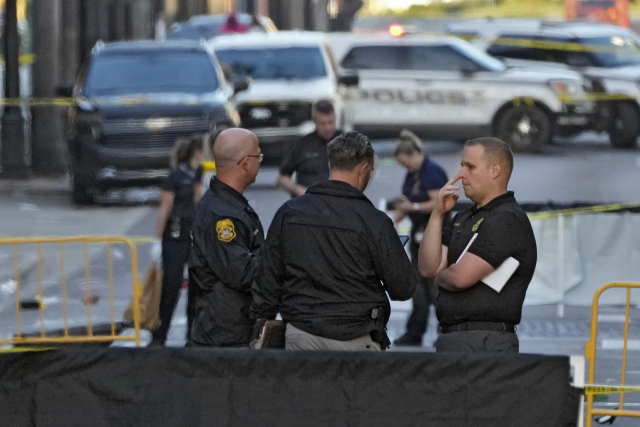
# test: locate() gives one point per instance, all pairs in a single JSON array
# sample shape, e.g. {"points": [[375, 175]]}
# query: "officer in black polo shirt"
{"points": [[473, 316], [308, 156]]}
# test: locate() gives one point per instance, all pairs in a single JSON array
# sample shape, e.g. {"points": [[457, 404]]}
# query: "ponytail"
{"points": [[184, 150], [408, 145]]}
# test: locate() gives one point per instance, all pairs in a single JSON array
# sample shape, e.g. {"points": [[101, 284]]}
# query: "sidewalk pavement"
{"points": [[42, 207], [36, 185]]}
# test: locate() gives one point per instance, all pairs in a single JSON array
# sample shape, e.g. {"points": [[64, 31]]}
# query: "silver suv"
{"points": [[444, 88], [608, 56]]}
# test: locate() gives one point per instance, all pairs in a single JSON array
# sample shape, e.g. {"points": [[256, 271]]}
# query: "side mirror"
{"points": [[241, 84], [65, 89], [468, 69], [349, 78]]}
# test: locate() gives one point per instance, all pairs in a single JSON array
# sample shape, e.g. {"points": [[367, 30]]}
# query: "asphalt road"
{"points": [[578, 170]]}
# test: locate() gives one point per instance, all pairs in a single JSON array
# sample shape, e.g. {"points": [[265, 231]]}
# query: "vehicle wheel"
{"points": [[525, 128], [80, 189], [625, 126]]}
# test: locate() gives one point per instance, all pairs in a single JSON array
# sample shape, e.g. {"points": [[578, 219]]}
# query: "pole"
{"points": [[561, 278], [13, 150], [49, 147]]}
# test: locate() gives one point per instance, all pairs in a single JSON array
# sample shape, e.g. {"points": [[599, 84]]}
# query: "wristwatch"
{"points": [[415, 207]]}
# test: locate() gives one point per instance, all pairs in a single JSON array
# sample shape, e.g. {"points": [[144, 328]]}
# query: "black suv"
{"points": [[131, 103]]}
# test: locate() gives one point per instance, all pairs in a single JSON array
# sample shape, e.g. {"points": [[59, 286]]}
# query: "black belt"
{"points": [[478, 326]]}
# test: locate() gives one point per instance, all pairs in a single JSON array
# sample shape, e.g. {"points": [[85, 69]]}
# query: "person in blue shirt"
{"points": [[422, 183]]}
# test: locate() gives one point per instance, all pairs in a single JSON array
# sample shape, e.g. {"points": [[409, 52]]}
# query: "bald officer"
{"points": [[226, 257]]}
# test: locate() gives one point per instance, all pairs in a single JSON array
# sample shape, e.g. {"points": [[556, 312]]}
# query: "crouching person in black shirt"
{"points": [[473, 316], [330, 255]]}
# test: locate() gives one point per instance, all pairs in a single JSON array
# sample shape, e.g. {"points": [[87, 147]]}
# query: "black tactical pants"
{"points": [[478, 341], [175, 254], [422, 299]]}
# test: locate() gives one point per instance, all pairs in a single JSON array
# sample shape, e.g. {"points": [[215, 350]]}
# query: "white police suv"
{"points": [[446, 89], [606, 55], [290, 71]]}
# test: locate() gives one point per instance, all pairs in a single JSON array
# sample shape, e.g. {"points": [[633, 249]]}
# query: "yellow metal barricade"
{"points": [[22, 337], [590, 352]]}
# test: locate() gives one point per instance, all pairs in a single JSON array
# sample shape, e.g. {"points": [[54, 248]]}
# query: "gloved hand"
{"points": [[156, 251]]}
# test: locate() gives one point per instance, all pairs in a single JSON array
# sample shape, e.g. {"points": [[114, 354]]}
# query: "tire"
{"points": [[526, 128], [625, 126], [81, 191]]}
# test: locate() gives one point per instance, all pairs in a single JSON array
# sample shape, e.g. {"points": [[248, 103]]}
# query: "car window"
{"points": [[531, 47], [372, 58], [436, 58], [614, 51], [150, 72], [289, 63], [479, 57]]}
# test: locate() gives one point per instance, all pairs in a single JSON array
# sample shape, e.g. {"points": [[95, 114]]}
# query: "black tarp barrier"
{"points": [[244, 388]]}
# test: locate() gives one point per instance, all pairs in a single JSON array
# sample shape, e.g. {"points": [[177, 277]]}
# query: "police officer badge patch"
{"points": [[226, 231], [475, 227]]}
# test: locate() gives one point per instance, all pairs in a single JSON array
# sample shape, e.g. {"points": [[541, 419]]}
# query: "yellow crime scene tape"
{"points": [[24, 59], [209, 166], [585, 210], [566, 212], [607, 389]]}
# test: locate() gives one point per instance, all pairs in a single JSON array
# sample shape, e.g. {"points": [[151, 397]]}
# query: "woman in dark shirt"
{"points": [[419, 193], [180, 193]]}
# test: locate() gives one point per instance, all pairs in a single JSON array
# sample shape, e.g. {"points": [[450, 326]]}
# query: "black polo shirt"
{"points": [[308, 157], [181, 182], [504, 231]]}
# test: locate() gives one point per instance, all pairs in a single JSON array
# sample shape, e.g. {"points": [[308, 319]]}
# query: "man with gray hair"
{"points": [[330, 256]]}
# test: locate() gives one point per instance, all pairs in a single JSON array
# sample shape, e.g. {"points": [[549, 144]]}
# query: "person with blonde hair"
{"points": [[419, 193], [181, 192]]}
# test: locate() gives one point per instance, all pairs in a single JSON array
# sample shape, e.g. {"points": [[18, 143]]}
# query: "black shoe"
{"points": [[156, 343], [408, 341]]}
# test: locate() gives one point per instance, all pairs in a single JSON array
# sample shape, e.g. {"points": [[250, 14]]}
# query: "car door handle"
{"points": [[424, 82]]}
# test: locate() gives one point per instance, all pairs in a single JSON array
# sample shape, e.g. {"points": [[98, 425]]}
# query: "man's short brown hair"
{"points": [[496, 151], [348, 150], [324, 106]]}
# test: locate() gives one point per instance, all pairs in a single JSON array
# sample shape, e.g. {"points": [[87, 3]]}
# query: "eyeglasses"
{"points": [[260, 158]]}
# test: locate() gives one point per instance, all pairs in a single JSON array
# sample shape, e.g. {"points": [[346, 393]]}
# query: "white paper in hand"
{"points": [[500, 276]]}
